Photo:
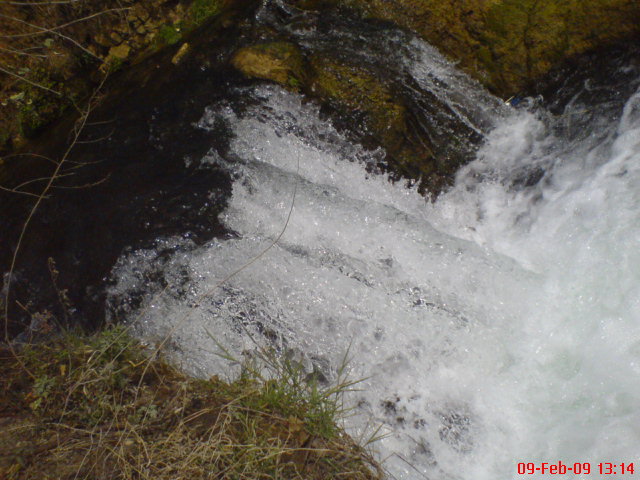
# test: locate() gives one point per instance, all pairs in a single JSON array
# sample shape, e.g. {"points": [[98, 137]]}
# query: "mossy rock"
{"points": [[354, 91], [280, 62], [201, 10], [168, 35], [354, 88], [358, 91], [454, 26], [508, 44], [42, 110]]}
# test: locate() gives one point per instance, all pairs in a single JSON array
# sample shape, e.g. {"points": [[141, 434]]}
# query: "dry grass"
{"points": [[94, 408]]}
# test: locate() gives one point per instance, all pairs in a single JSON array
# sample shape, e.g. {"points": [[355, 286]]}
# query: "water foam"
{"points": [[497, 326]]}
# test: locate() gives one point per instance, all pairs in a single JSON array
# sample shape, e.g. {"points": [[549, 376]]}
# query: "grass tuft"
{"points": [[201, 10], [97, 407]]}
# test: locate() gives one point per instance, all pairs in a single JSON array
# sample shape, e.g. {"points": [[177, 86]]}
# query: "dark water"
{"points": [[127, 181]]}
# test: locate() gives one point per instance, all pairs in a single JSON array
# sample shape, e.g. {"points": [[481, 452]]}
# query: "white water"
{"points": [[496, 326]]}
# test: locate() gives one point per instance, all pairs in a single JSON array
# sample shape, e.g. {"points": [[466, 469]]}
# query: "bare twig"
{"points": [[53, 31], [36, 155], [24, 79], [99, 139], [23, 52], [56, 173], [13, 190], [41, 179], [86, 185], [43, 30]]}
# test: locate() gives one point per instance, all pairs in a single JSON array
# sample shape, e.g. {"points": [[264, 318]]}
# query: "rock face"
{"points": [[506, 44], [509, 45], [346, 88], [384, 115], [364, 87]]}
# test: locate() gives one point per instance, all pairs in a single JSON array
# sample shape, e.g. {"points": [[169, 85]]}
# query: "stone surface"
{"points": [[120, 52], [506, 44], [277, 61]]}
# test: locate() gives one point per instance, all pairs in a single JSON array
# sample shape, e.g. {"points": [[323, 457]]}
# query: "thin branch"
{"points": [[23, 52], [99, 139], [32, 213], [13, 190], [36, 155], [57, 27], [41, 179], [102, 122], [87, 185], [24, 79]]}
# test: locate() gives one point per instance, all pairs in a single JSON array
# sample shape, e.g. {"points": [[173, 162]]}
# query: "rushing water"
{"points": [[498, 325]]}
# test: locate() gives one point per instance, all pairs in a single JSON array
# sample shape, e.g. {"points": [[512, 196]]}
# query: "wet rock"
{"points": [[369, 101], [280, 62], [120, 52], [506, 44], [384, 115], [356, 88]]}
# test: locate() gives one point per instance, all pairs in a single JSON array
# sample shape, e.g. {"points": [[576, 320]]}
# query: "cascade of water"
{"points": [[496, 326]]}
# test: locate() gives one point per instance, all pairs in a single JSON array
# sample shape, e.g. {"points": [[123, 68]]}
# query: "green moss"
{"points": [[169, 34], [294, 83], [115, 64], [38, 110], [507, 44], [359, 92], [201, 10], [357, 89]]}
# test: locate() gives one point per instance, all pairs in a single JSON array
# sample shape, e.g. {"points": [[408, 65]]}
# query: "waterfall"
{"points": [[495, 326]]}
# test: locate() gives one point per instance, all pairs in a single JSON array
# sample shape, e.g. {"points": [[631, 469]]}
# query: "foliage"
{"points": [[169, 34], [98, 407], [201, 10]]}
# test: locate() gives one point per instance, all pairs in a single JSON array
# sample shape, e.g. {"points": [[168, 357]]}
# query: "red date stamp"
{"points": [[577, 468]]}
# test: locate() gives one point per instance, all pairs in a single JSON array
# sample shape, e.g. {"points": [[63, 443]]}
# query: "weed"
{"points": [[98, 407], [169, 34], [201, 10], [115, 64], [294, 83]]}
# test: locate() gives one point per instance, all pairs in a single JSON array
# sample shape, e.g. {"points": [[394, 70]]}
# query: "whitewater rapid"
{"points": [[495, 326]]}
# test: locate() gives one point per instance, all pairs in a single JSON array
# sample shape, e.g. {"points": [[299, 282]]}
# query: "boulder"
{"points": [[281, 62], [121, 52]]}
